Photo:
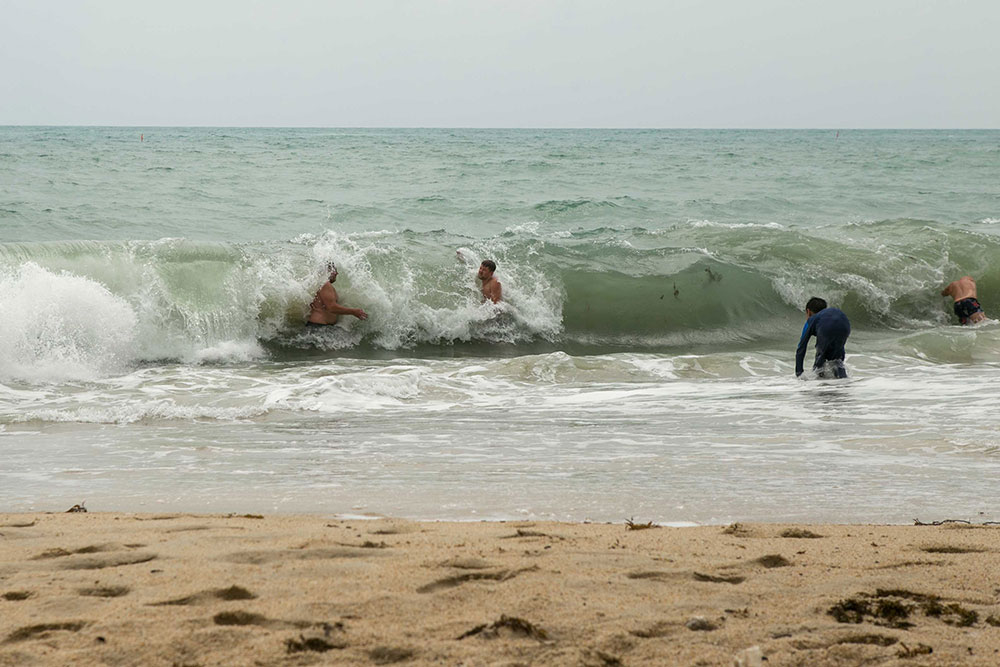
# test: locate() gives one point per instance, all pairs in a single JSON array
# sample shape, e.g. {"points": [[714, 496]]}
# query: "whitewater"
{"points": [[153, 294]]}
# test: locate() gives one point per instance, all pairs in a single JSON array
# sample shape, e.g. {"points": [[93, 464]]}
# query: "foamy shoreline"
{"points": [[165, 589]]}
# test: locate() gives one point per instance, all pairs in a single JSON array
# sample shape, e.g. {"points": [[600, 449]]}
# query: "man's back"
{"points": [[963, 288], [830, 321]]}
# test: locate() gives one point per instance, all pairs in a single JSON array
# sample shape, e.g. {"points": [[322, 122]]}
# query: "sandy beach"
{"points": [[180, 589]]}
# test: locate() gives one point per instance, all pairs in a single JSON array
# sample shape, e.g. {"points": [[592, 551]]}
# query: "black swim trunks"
{"points": [[965, 308]]}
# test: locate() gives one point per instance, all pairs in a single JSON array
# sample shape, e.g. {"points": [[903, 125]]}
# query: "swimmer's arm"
{"points": [[337, 309], [947, 290], [800, 351], [331, 306]]}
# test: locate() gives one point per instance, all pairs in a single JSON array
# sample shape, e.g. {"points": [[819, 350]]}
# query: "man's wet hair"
{"points": [[815, 304], [489, 264]]}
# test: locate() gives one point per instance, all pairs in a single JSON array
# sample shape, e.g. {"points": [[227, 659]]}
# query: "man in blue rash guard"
{"points": [[831, 328]]}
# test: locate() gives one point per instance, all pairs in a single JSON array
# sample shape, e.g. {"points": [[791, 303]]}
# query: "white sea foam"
{"points": [[59, 326], [230, 351], [735, 225]]}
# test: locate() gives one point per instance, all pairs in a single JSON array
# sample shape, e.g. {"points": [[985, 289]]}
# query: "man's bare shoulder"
{"points": [[328, 292]]}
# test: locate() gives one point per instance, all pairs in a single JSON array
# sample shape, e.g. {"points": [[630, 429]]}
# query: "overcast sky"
{"points": [[488, 63]]}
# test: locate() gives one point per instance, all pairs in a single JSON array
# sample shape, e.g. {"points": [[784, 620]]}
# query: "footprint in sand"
{"points": [[507, 626], [231, 593], [459, 579], [263, 557], [105, 591], [100, 563], [467, 564], [42, 631], [68, 560], [387, 655], [656, 575], [16, 596]]}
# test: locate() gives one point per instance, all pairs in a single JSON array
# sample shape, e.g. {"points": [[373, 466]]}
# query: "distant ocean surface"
{"points": [[153, 292]]}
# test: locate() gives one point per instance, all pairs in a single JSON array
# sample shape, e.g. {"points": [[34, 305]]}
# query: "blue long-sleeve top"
{"points": [[831, 328]]}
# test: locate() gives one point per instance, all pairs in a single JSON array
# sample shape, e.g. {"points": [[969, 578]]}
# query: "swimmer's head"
{"points": [[487, 268], [331, 268], [815, 305]]}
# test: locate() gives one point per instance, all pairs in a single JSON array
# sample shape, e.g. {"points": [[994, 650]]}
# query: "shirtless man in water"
{"points": [[324, 309], [967, 306], [491, 286]]}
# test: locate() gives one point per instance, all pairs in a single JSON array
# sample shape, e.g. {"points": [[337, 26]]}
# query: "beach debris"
{"points": [[918, 522], [677, 292], [700, 624], [892, 607], [736, 529], [316, 644], [632, 525], [511, 625], [713, 277], [77, 508], [749, 657], [893, 612], [952, 614], [801, 533]]}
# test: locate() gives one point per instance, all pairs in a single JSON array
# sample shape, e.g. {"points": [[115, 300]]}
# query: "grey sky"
{"points": [[520, 63]]}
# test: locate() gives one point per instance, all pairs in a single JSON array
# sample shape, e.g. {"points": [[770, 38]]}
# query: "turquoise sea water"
{"points": [[152, 293]]}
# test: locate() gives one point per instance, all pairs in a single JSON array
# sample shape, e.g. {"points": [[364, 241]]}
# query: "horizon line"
{"points": [[498, 127]]}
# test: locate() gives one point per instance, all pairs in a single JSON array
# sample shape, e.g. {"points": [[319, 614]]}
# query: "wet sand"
{"points": [[179, 589]]}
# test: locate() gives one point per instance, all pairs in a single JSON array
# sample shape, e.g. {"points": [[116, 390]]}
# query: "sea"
{"points": [[154, 283]]}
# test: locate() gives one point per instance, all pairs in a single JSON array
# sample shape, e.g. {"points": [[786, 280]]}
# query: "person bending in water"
{"points": [[967, 306], [831, 328], [491, 286], [325, 309]]}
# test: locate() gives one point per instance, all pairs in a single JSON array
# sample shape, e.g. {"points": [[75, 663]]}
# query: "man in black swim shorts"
{"points": [[967, 307]]}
